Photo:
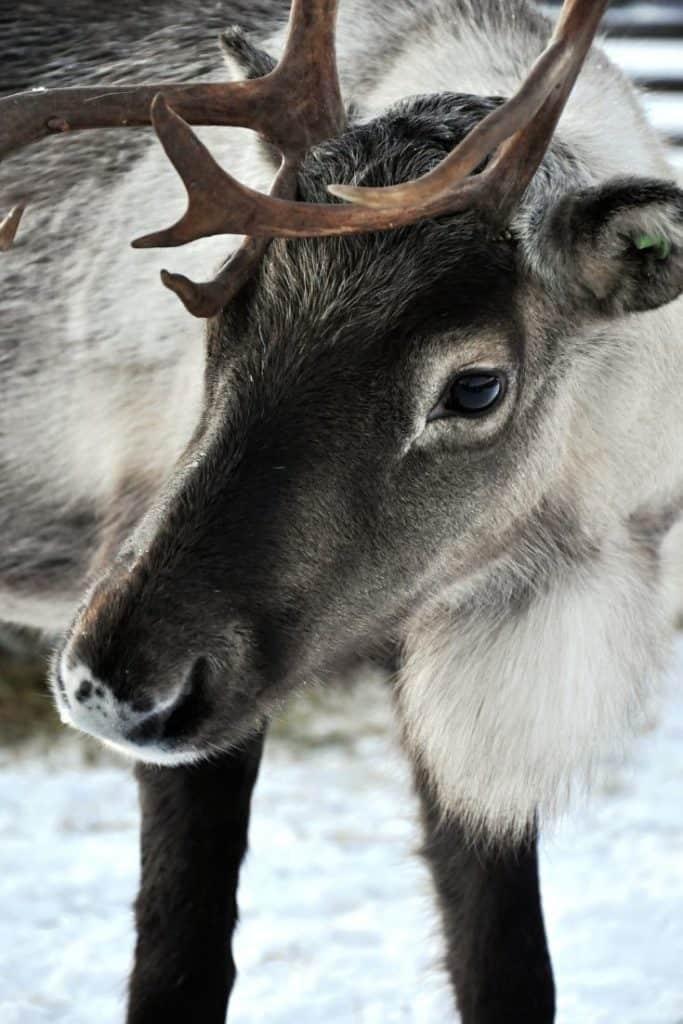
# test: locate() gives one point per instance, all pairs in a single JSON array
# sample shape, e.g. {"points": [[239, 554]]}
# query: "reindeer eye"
{"points": [[470, 394]]}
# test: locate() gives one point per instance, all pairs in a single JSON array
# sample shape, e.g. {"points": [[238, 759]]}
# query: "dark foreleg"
{"points": [[497, 953], [194, 836]]}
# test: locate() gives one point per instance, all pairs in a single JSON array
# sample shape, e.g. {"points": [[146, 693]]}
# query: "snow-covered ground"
{"points": [[338, 919]]}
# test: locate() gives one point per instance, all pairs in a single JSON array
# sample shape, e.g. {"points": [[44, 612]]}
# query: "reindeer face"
{"points": [[380, 419], [324, 495], [361, 401]]}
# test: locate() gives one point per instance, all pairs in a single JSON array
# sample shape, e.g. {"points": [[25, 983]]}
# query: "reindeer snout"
{"points": [[146, 725]]}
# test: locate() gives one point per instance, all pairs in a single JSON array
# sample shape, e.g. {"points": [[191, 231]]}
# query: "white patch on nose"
{"points": [[88, 704]]}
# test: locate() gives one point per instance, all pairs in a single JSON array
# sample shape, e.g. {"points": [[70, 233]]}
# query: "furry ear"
{"points": [[244, 61], [618, 246], [242, 58]]}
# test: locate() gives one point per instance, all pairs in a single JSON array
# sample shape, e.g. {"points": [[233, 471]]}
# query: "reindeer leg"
{"points": [[497, 954], [194, 836]]}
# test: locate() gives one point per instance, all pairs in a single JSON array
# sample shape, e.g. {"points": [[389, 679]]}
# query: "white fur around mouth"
{"points": [[109, 720]]}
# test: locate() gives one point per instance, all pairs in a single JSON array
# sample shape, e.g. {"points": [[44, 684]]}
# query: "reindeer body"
{"points": [[531, 660]]}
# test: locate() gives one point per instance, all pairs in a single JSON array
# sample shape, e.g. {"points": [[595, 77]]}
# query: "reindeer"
{"points": [[434, 424]]}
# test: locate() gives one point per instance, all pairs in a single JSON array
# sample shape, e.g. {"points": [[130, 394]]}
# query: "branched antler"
{"points": [[295, 106], [206, 298]]}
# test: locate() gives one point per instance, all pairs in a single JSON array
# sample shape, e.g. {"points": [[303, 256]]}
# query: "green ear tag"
{"points": [[661, 246]]}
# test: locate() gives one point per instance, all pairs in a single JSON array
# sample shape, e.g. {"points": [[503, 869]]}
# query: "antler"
{"points": [[527, 121], [295, 106], [9, 226]]}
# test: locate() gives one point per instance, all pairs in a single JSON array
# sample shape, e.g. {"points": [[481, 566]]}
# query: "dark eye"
{"points": [[470, 394]]}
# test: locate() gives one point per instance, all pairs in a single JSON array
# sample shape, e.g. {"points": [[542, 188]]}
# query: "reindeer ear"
{"points": [[619, 246], [245, 61], [242, 58]]}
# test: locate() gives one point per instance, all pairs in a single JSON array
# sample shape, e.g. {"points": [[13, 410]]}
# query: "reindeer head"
{"points": [[382, 381]]}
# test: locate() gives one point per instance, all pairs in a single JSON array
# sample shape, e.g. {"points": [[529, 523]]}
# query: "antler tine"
{"points": [[297, 104], [27, 117], [209, 188], [207, 298], [307, 74], [306, 78], [508, 176], [300, 105], [527, 120], [218, 204], [547, 74], [9, 226], [307, 70]]}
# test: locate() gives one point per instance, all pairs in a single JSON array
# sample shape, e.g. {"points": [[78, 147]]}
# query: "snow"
{"points": [[338, 918]]}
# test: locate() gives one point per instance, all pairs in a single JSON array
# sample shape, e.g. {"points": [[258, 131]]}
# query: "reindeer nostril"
{"points": [[177, 716], [191, 703], [84, 691], [198, 676], [142, 704], [148, 731]]}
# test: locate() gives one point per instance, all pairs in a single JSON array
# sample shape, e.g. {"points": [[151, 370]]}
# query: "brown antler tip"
{"points": [[9, 227], [158, 239], [372, 197], [196, 298], [205, 182], [160, 109], [143, 242]]}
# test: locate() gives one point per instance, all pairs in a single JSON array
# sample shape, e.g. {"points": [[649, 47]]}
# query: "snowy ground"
{"points": [[338, 921]]}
